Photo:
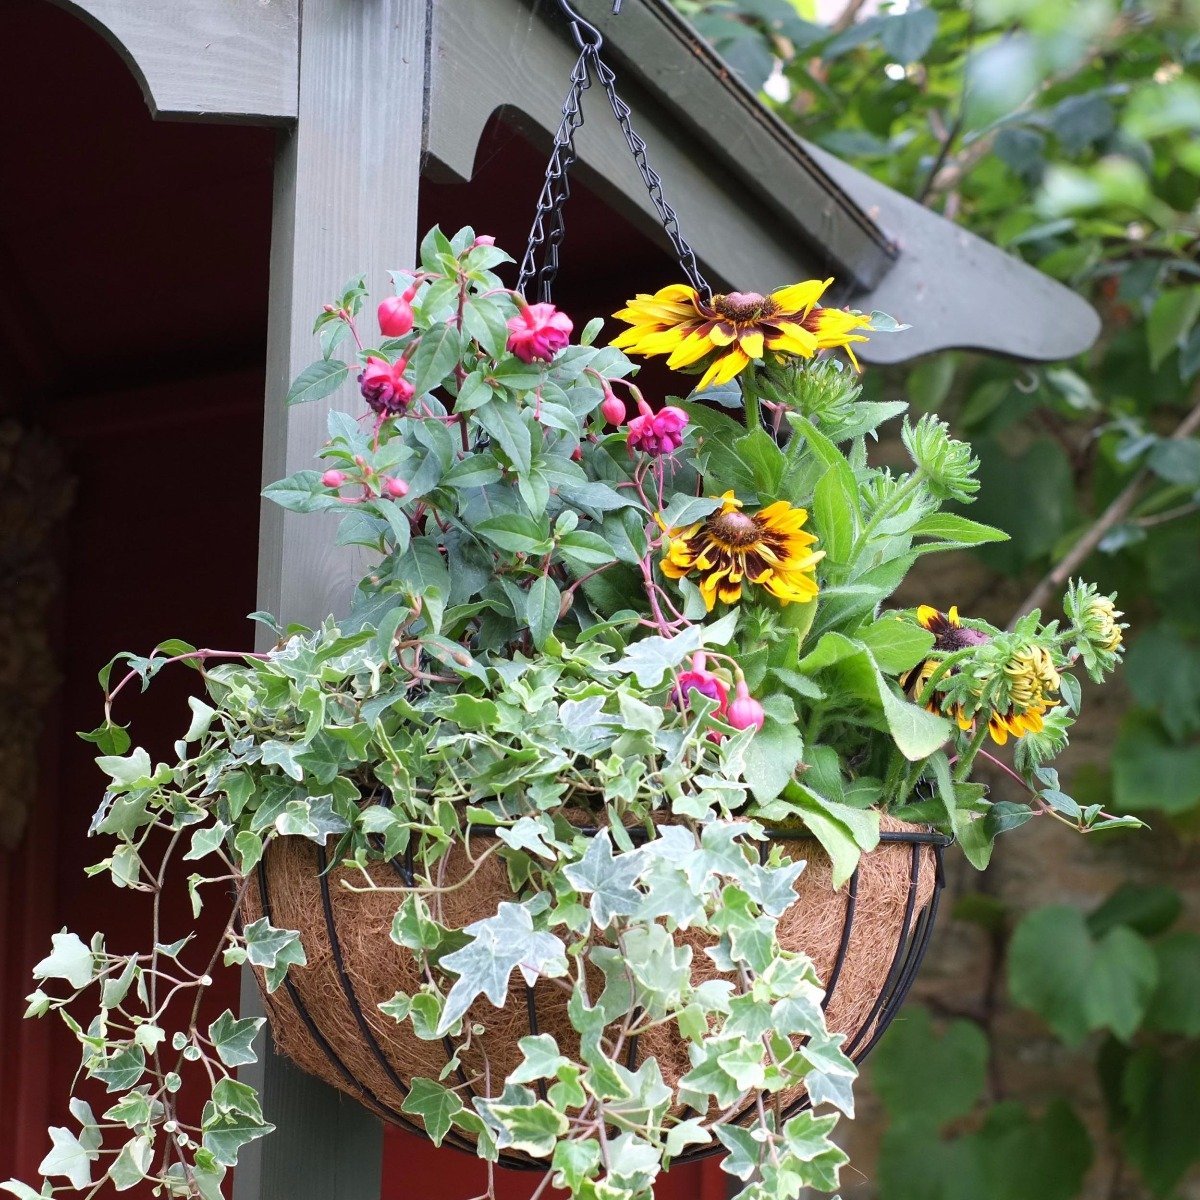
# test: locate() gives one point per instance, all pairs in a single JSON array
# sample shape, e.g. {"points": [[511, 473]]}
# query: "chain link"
{"points": [[549, 223]]}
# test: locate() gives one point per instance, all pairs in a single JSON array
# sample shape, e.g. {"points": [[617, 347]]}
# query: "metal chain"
{"points": [[556, 189], [549, 224]]}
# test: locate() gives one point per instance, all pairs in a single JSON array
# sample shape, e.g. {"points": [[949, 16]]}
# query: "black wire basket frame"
{"points": [[911, 945]]}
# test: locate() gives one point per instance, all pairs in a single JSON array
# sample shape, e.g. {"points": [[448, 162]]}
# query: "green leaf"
{"points": [[609, 879], [436, 1105], [541, 1059], [949, 527], [233, 1038], [907, 36], [1162, 1096], [225, 1133], [1177, 460], [317, 381], [504, 423], [1173, 1008], [896, 644], [771, 759], [132, 1165], [930, 1078], [498, 945], [69, 959], [121, 1069], [434, 358], [917, 733], [835, 836], [1148, 910], [574, 1161], [533, 1128], [275, 950], [71, 1156], [1078, 984], [684, 510], [1170, 321], [835, 514], [1151, 771], [515, 533], [541, 609]]}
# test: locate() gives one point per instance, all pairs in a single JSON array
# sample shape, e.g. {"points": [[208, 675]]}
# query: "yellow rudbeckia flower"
{"points": [[736, 329], [769, 548]]}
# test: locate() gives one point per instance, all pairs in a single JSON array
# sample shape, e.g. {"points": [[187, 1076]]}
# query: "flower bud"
{"points": [[395, 316], [612, 408], [744, 711], [333, 479], [484, 239], [577, 454], [396, 488]]}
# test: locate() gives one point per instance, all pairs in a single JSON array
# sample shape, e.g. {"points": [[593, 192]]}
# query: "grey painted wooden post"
{"points": [[345, 201]]}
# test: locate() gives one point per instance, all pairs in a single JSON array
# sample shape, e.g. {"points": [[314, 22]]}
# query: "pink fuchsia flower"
{"points": [[538, 332], [699, 679], [657, 433], [384, 387], [395, 316], [333, 479], [612, 408], [484, 239], [395, 487], [744, 712]]}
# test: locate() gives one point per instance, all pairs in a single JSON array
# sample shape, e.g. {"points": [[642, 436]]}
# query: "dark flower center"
{"points": [[744, 307], [735, 529], [958, 637]]}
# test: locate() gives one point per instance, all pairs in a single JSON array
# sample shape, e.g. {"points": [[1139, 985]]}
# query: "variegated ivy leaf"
{"points": [[498, 946], [608, 879]]}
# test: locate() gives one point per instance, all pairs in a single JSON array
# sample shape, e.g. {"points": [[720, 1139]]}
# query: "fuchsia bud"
{"points": [[744, 711], [396, 488], [538, 332], [384, 387], [612, 408], [410, 293], [577, 454], [484, 239], [333, 479], [395, 316], [657, 433]]}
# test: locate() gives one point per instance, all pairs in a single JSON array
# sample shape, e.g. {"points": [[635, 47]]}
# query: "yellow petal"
{"points": [[693, 348], [926, 616], [751, 344], [723, 369], [800, 297]]}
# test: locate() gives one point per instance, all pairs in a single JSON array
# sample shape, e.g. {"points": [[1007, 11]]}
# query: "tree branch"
{"points": [[1055, 579]]}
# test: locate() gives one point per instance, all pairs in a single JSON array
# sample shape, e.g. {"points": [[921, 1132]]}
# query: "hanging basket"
{"points": [[866, 940]]}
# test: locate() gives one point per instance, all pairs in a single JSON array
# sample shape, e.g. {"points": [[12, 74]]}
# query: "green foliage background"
{"points": [[1069, 134]]}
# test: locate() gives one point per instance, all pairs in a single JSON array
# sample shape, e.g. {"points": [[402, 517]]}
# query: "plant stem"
{"points": [[967, 759], [750, 400], [1056, 578]]}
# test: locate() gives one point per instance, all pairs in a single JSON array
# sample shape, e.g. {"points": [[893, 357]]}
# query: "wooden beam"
{"points": [[205, 60], [958, 291], [345, 201], [750, 231]]}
